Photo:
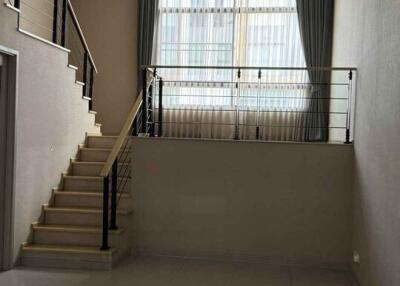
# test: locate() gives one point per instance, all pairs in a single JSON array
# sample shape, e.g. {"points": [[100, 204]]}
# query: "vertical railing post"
{"points": [[160, 107], [151, 108], [85, 74], [64, 23], [114, 191], [349, 103], [55, 21], [106, 186], [91, 84], [258, 106], [17, 4], [237, 105], [144, 102]]}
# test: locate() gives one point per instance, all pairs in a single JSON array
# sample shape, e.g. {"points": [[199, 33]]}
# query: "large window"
{"points": [[231, 33]]}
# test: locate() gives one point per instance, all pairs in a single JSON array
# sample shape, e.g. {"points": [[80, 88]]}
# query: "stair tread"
{"points": [[102, 136], [83, 210], [76, 249], [83, 177], [86, 194], [93, 163], [95, 149], [89, 177], [74, 228]]}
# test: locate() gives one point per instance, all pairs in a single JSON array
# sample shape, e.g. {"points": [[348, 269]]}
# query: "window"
{"points": [[230, 33]]}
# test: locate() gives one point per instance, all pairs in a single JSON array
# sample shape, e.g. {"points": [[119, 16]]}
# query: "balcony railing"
{"points": [[252, 103], [55, 21]]}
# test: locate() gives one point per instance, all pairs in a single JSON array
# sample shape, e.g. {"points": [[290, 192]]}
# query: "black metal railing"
{"points": [[254, 103], [116, 172], [56, 22]]}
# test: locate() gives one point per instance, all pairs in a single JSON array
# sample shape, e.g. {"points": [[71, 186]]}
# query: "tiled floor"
{"points": [[167, 271]]}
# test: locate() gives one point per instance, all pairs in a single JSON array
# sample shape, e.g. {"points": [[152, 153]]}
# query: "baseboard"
{"points": [[253, 259]]}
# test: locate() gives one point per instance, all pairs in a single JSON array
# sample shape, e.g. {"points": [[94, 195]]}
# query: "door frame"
{"points": [[7, 161]]}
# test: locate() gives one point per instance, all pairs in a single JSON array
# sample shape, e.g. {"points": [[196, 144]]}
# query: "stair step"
{"points": [[99, 154], [64, 198], [89, 183], [68, 256], [81, 216], [101, 141], [74, 235], [80, 168], [73, 228], [71, 249], [82, 210]]}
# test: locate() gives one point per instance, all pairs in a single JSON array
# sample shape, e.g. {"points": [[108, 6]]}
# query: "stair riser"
{"points": [[80, 219], [88, 202], [66, 261], [98, 156], [87, 185], [74, 238], [101, 142], [93, 170]]}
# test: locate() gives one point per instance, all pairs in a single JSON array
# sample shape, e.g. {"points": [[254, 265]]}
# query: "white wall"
{"points": [[367, 34], [274, 202], [52, 119]]}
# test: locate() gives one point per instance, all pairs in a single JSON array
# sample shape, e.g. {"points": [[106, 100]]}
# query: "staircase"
{"points": [[69, 232]]}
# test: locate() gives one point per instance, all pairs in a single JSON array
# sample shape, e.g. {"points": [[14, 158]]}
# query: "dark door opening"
{"points": [[7, 141]]}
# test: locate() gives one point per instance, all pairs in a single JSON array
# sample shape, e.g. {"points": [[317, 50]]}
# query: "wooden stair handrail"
{"points": [[122, 137], [80, 33]]}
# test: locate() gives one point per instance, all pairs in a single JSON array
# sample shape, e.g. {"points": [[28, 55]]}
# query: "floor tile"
{"points": [[158, 271], [202, 272], [319, 277], [261, 274]]}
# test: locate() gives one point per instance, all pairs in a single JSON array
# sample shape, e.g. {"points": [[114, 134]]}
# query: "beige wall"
{"points": [[367, 35], [274, 202], [52, 119], [111, 30]]}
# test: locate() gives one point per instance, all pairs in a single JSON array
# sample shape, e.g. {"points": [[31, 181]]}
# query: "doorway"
{"points": [[8, 63]]}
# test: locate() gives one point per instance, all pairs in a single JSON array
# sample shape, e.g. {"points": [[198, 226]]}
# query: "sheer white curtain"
{"points": [[204, 102]]}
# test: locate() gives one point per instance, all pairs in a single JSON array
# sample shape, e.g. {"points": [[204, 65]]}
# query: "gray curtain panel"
{"points": [[316, 30], [148, 27]]}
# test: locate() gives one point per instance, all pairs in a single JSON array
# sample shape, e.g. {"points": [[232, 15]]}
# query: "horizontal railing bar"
{"points": [[252, 125], [254, 110], [122, 137], [37, 10], [250, 68], [251, 83], [78, 27], [36, 24], [261, 97]]}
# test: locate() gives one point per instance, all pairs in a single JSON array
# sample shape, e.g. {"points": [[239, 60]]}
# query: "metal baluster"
{"points": [[144, 102], [237, 106], [348, 115], [114, 191], [160, 107], [64, 23], [106, 186], [85, 74], [258, 106], [91, 84], [55, 21]]}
